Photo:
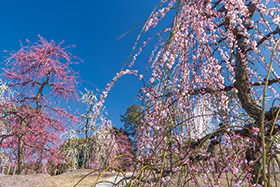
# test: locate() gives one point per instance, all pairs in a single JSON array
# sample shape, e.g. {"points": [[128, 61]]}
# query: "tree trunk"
{"points": [[20, 156]]}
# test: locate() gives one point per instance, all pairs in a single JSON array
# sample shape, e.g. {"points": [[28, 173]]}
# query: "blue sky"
{"points": [[93, 27]]}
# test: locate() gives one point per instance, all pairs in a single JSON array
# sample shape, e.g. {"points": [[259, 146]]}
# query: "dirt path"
{"points": [[68, 179]]}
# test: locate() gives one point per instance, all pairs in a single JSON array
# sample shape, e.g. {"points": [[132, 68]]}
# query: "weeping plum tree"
{"points": [[104, 141], [89, 125], [226, 54], [40, 76], [109, 143], [97, 143]]}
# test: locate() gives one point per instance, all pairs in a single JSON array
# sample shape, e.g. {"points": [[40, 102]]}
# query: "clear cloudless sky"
{"points": [[93, 27]]}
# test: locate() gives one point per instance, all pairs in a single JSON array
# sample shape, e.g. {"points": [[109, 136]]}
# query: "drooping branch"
{"points": [[4, 136], [216, 137]]}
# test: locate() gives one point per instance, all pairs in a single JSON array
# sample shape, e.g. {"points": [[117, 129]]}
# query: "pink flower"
{"points": [[255, 130], [234, 170], [276, 20]]}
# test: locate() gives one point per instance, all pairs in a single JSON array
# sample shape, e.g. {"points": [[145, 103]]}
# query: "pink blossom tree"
{"points": [[41, 77], [225, 53]]}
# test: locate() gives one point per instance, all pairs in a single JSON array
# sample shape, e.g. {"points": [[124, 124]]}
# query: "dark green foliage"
{"points": [[132, 119]]}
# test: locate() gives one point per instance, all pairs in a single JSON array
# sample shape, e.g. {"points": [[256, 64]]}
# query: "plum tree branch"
{"points": [[276, 31], [206, 90]]}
